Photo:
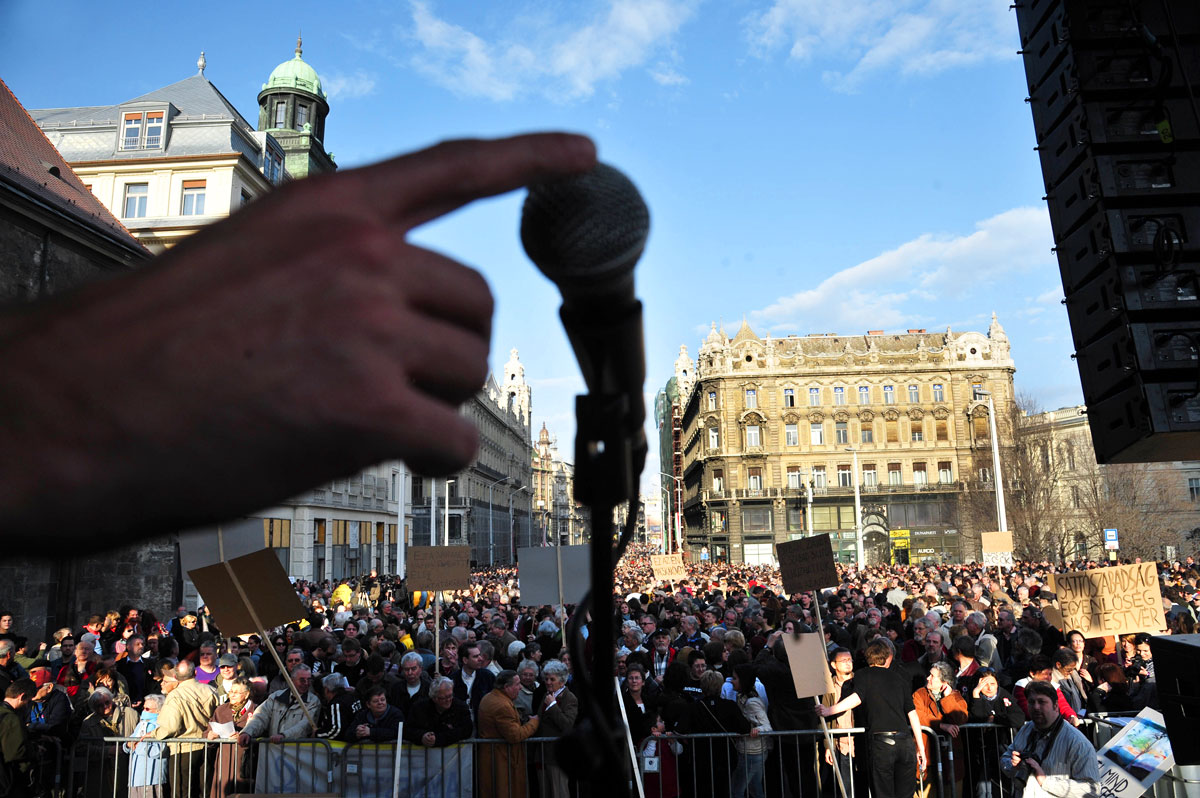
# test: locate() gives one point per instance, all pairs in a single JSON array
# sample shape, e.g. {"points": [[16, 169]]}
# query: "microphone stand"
{"points": [[610, 451]]}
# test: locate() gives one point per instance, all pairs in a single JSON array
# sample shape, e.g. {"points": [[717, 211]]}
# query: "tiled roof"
{"points": [[90, 133], [31, 163]]}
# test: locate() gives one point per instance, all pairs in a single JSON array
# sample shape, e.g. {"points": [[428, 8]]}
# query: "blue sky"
{"points": [[810, 166]]}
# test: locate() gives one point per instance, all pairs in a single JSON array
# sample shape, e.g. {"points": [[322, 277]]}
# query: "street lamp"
{"points": [[1001, 516], [400, 474], [678, 512], [858, 540], [512, 522], [446, 515], [542, 514], [492, 521]]}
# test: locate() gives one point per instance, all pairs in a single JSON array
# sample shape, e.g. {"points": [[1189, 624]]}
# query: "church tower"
{"points": [[292, 107], [516, 390]]}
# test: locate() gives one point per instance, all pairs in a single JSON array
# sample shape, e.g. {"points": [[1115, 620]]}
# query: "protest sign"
{"points": [[200, 547], [810, 669], [1135, 757], [806, 564], [997, 548], [1122, 599], [438, 567], [668, 567], [538, 573], [247, 589]]}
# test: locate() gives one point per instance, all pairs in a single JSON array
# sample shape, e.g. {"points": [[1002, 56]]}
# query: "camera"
{"points": [[1027, 757]]}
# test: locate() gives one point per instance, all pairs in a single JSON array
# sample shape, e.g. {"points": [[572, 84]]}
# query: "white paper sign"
{"points": [[1136, 757]]}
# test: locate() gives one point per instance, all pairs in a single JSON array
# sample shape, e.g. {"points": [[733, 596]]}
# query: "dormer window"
{"points": [[142, 131]]}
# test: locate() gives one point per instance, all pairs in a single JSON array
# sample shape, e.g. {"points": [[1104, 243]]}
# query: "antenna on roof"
{"points": [[299, 43]]}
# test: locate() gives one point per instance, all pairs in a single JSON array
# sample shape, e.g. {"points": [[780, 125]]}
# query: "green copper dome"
{"points": [[296, 74]]}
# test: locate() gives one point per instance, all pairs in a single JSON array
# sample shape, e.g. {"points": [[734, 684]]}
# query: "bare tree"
{"points": [[1034, 468], [1139, 500]]}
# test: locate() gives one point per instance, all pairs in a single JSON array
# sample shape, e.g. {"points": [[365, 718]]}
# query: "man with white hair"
{"points": [[340, 706], [441, 719], [280, 716], [10, 670], [985, 643], [414, 684]]}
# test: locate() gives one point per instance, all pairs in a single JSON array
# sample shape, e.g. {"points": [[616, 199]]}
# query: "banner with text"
{"points": [[668, 567], [1122, 599], [997, 549]]}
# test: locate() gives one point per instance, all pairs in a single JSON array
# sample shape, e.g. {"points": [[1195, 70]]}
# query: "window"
{"points": [[756, 519], [136, 195], [981, 428], [245, 197], [985, 474], [814, 397], [418, 490], [793, 477], [1075, 502], [869, 479], [914, 394], [939, 392], [864, 395], [131, 137], [1194, 489], [789, 397], [817, 433], [154, 130], [301, 116], [818, 476], [918, 432], [717, 520], [845, 476], [752, 436], [942, 433], [791, 434], [839, 395], [714, 438], [867, 434], [280, 113], [795, 518], [893, 431], [894, 474], [841, 432], [193, 198], [751, 398], [889, 394], [718, 479], [754, 479], [919, 475], [945, 473], [712, 400]]}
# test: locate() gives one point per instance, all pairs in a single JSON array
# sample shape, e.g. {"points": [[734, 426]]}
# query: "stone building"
{"points": [[1155, 507], [177, 158], [561, 521], [766, 419]]}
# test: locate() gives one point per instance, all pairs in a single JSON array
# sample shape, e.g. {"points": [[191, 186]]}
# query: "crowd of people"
{"points": [[938, 647]]}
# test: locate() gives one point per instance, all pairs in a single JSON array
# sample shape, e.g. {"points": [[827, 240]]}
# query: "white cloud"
{"points": [[348, 87], [857, 39], [562, 61], [1051, 297], [911, 284]]}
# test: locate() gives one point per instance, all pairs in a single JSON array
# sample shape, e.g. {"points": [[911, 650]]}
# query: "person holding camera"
{"points": [[1050, 752]]}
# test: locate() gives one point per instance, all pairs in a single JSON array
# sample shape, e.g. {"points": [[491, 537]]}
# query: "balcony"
{"points": [[756, 493]]}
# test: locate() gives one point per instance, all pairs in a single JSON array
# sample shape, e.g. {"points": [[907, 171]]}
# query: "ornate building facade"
{"points": [[561, 521], [182, 156], [772, 429]]}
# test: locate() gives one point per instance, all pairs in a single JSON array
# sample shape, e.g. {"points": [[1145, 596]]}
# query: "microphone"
{"points": [[586, 234]]}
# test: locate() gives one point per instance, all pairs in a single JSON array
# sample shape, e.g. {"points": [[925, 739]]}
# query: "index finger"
{"points": [[415, 188]]}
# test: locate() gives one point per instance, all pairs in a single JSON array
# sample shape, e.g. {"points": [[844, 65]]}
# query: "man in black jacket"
{"points": [[413, 687], [472, 681], [788, 713], [440, 719]]}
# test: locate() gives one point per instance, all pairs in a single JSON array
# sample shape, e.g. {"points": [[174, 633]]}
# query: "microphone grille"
{"points": [[585, 229]]}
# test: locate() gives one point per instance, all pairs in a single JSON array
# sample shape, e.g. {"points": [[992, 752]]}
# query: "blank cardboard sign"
{"points": [[810, 669], [806, 564], [265, 584], [199, 547], [438, 567], [537, 573]]}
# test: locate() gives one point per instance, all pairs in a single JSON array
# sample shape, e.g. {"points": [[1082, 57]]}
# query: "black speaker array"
{"points": [[1116, 111], [1176, 669]]}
